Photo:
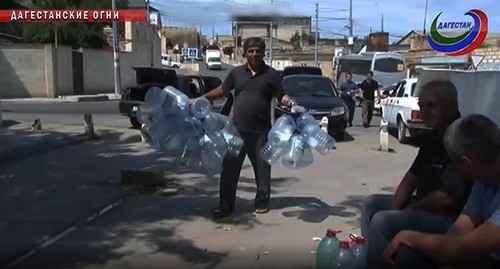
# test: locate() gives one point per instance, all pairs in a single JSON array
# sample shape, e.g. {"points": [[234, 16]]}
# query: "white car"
{"points": [[168, 62], [401, 110]]}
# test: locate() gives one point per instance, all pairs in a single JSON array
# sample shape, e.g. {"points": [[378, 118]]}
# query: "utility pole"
{"points": [[116, 54], [316, 38], [382, 23], [213, 30], [350, 26], [425, 15], [148, 21], [271, 43]]}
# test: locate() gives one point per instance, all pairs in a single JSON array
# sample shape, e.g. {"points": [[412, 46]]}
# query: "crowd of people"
{"points": [[445, 212]]}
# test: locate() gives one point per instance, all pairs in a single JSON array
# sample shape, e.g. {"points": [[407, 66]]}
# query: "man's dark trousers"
{"points": [[232, 168], [352, 108], [367, 114]]}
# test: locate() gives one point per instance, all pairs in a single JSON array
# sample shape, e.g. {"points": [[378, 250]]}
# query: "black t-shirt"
{"points": [[435, 172], [253, 95], [369, 89]]}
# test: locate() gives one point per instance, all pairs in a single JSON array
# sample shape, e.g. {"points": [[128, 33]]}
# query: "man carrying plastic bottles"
{"points": [[473, 241], [441, 191], [255, 84]]}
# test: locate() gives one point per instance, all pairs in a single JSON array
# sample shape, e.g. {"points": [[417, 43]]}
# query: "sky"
{"points": [[399, 16]]}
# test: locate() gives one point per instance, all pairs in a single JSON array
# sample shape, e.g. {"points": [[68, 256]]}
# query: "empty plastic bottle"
{"points": [[174, 100], [146, 113], [327, 250], [155, 132], [278, 139], [234, 143], [313, 135], [212, 123], [345, 258], [282, 130], [214, 143], [201, 107], [298, 155], [358, 248], [172, 145], [190, 155], [155, 97]]}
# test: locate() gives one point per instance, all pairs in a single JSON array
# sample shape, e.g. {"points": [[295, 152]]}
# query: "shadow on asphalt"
{"points": [[148, 218], [9, 123]]}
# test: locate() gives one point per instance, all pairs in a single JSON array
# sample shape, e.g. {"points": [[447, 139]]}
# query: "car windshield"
{"points": [[309, 86], [214, 59]]}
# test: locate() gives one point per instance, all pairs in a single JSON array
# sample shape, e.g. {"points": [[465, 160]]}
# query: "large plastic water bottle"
{"points": [[201, 107], [298, 155], [282, 130], [313, 135], [358, 248], [215, 122], [233, 142], [155, 97], [278, 139], [345, 258], [190, 155], [327, 250], [155, 132], [174, 100], [145, 113]]}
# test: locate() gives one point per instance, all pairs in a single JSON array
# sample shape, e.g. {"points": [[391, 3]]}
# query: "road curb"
{"points": [[89, 98], [40, 148]]}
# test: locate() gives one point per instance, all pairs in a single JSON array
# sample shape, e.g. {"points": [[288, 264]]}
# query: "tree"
{"points": [[74, 34]]}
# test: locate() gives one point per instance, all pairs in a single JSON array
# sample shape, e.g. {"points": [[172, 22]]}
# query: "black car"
{"points": [[318, 95], [146, 77]]}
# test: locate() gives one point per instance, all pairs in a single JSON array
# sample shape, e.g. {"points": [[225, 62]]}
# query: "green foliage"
{"points": [[74, 34]]}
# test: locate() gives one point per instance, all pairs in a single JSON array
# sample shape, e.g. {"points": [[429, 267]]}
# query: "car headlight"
{"points": [[337, 111]]}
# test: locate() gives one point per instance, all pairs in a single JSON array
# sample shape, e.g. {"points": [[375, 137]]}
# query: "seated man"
{"points": [[473, 144], [440, 190]]}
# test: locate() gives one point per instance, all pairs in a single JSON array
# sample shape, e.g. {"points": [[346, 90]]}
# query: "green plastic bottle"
{"points": [[327, 250]]}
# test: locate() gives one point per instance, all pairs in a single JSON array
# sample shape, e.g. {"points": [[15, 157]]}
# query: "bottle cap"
{"points": [[357, 239], [332, 232], [344, 244]]}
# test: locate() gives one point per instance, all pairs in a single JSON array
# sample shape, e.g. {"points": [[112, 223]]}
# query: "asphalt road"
{"points": [[104, 113]]}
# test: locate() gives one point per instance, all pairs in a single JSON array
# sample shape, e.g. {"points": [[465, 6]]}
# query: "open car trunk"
{"points": [[147, 77]]}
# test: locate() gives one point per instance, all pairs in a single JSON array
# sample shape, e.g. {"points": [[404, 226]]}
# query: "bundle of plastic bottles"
{"points": [[292, 138], [333, 253], [194, 135]]}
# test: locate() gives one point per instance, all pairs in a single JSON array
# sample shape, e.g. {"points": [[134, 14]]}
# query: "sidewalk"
{"points": [[67, 98], [45, 195]]}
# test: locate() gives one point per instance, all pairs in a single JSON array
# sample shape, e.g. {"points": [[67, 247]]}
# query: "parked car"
{"points": [[168, 62], [401, 110], [319, 97], [146, 77], [304, 70]]}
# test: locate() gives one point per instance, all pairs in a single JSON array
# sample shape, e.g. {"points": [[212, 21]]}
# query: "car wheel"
{"points": [[176, 66], [402, 132], [135, 123]]}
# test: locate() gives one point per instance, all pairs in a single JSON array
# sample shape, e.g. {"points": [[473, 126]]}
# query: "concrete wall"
{"points": [[98, 72], [28, 71]]}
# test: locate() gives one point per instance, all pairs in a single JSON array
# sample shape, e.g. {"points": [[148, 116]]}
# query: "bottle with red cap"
{"points": [[327, 250], [345, 258], [358, 248]]}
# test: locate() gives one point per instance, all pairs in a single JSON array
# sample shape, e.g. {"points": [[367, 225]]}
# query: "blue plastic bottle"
{"points": [[358, 248], [345, 258], [327, 250]]}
